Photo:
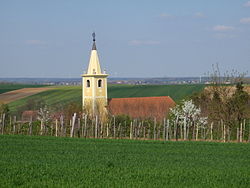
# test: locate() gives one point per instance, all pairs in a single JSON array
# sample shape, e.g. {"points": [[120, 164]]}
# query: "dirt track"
{"points": [[20, 93]]}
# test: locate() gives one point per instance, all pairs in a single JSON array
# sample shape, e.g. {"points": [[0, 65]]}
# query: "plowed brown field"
{"points": [[20, 93]]}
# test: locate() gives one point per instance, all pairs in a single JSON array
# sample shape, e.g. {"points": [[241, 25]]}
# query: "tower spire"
{"points": [[94, 86], [93, 46]]}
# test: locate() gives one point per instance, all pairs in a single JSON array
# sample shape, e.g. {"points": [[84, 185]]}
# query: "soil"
{"points": [[20, 93]]}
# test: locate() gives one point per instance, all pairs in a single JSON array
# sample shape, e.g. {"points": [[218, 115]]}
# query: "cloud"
{"points": [[143, 42], [35, 42], [199, 15], [245, 20], [222, 28], [247, 4]]}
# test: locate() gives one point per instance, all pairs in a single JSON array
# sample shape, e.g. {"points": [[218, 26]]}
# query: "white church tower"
{"points": [[94, 85]]}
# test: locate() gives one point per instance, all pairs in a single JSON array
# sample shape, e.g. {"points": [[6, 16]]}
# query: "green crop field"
{"points": [[177, 92], [10, 87], [66, 94], [37, 161], [61, 95]]}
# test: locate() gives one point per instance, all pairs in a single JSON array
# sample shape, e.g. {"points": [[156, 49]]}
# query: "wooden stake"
{"points": [[107, 130], [237, 136], [241, 125], [224, 133], [193, 136], [228, 134], [79, 128], [144, 132], [131, 130], [170, 131], [158, 134], [119, 130], [211, 131], [114, 128], [197, 132], [72, 125], [56, 128], [93, 128], [62, 125], [139, 130], [101, 132], [167, 130], [249, 132], [52, 129], [85, 125], [82, 130], [244, 128], [187, 135], [154, 128], [41, 130], [185, 128], [164, 129], [96, 127], [3, 123], [149, 134], [30, 126], [181, 132], [175, 128], [14, 125], [10, 124]]}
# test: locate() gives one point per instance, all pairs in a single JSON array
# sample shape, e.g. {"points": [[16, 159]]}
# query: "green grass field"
{"points": [[36, 161], [177, 92], [67, 94], [10, 87]]}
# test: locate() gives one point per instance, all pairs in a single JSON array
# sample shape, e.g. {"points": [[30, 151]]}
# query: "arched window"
{"points": [[99, 83], [88, 83]]}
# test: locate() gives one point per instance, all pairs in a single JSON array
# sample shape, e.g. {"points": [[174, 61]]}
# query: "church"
{"points": [[95, 96]]}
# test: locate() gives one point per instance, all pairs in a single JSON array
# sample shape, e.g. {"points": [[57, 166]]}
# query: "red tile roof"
{"points": [[28, 114], [141, 107]]}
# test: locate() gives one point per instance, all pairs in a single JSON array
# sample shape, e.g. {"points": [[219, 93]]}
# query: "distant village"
{"points": [[130, 81]]}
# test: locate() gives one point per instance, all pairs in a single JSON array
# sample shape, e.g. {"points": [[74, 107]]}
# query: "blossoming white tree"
{"points": [[44, 117], [186, 114]]}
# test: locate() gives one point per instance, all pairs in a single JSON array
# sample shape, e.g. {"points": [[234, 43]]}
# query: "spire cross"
{"points": [[93, 35]]}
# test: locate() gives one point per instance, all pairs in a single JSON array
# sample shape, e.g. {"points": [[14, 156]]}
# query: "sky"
{"points": [[134, 38]]}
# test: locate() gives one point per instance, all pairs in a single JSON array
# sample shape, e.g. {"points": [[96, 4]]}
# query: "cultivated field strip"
{"points": [[42, 161], [20, 93]]}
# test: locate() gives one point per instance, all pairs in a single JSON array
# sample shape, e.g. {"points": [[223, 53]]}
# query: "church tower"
{"points": [[94, 86]]}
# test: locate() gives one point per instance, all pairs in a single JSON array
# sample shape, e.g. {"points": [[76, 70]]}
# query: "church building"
{"points": [[95, 98]]}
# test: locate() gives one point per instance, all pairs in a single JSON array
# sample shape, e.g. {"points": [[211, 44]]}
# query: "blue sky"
{"points": [[139, 38]]}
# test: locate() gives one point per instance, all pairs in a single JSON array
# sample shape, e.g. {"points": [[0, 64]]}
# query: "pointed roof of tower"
{"points": [[94, 65], [94, 46]]}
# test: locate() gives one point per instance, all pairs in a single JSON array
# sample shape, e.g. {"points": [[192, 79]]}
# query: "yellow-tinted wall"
{"points": [[94, 96]]}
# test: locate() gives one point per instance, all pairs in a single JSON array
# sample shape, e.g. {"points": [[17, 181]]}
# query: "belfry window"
{"points": [[88, 83], [99, 83]]}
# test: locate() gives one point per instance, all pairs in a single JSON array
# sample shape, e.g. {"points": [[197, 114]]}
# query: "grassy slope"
{"points": [[67, 94], [60, 95], [10, 87], [31, 161]]}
